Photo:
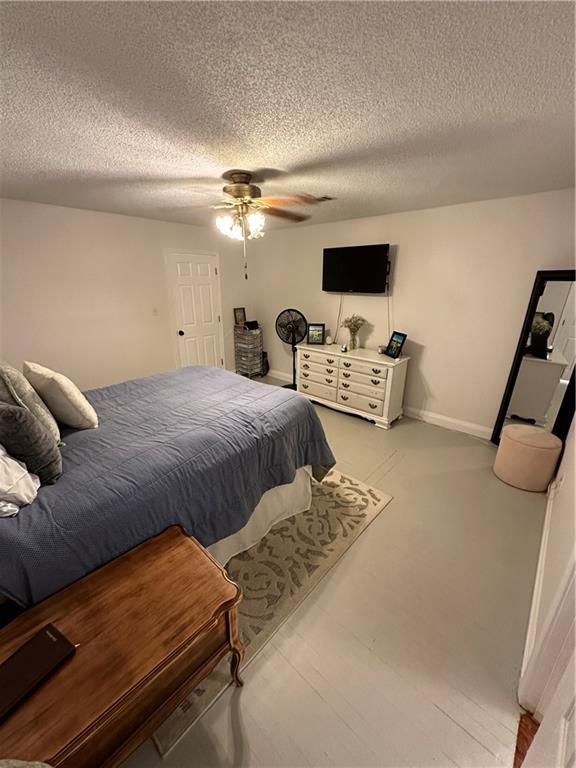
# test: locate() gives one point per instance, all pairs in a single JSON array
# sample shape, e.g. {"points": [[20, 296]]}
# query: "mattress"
{"points": [[197, 447]]}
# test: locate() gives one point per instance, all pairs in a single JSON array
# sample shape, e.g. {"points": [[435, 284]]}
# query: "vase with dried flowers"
{"points": [[541, 329], [353, 324]]}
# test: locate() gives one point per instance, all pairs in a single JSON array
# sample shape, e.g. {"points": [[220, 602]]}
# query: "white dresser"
{"points": [[360, 382], [535, 386]]}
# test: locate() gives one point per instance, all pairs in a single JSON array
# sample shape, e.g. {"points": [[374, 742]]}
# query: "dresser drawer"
{"points": [[362, 378], [317, 390], [376, 393], [321, 358], [319, 378], [323, 370], [367, 404], [369, 369]]}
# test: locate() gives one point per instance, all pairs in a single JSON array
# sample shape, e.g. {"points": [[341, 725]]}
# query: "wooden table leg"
{"points": [[235, 667], [235, 645]]}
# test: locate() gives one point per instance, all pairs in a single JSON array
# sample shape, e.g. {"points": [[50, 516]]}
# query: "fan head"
{"points": [[243, 196], [240, 187], [291, 326]]}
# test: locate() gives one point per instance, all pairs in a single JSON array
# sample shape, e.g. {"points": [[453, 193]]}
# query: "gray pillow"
{"points": [[26, 440], [15, 389]]}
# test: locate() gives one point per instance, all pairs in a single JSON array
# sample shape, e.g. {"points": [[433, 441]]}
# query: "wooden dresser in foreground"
{"points": [[149, 627]]}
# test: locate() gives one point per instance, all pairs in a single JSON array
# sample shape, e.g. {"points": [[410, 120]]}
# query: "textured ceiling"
{"points": [[137, 108]]}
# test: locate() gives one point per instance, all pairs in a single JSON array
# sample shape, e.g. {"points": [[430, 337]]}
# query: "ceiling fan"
{"points": [[247, 208]]}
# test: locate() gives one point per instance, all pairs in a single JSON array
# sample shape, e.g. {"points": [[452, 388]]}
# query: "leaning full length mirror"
{"points": [[540, 387]]}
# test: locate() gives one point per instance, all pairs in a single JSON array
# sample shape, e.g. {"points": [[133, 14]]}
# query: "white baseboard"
{"points": [[281, 375], [477, 430], [448, 422]]}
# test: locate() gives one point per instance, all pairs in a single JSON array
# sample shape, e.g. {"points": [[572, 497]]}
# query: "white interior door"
{"points": [[565, 338], [554, 743], [194, 282]]}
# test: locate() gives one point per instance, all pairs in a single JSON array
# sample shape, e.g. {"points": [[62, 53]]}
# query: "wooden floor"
{"points": [[527, 728], [408, 653]]}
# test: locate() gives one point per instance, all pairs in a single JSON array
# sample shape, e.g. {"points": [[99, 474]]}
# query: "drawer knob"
{"points": [[344, 397], [375, 382], [345, 385], [330, 360], [306, 366], [305, 386], [373, 406], [346, 375], [376, 370], [347, 365], [329, 370], [329, 381], [306, 356], [305, 375]]}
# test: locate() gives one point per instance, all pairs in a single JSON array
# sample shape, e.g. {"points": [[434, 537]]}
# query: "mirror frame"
{"points": [[566, 412]]}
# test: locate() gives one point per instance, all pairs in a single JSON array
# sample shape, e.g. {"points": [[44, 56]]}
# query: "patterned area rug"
{"points": [[278, 573]]}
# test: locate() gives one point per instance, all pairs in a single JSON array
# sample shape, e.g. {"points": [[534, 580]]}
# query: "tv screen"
{"points": [[355, 269]]}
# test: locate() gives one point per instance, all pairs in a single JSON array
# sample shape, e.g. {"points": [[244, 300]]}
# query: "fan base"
{"points": [[289, 386]]}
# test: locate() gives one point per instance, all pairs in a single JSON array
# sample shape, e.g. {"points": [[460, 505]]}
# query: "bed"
{"points": [[199, 447]]}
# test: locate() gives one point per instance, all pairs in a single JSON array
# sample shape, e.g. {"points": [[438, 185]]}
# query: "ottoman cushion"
{"points": [[527, 457]]}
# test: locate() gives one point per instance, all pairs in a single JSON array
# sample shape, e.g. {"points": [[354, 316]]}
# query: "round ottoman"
{"points": [[527, 457]]}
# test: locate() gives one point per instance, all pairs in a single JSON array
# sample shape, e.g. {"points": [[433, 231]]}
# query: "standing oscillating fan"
{"points": [[291, 327]]}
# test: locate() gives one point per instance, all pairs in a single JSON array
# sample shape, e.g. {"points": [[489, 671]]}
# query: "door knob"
{"points": [[180, 333]]}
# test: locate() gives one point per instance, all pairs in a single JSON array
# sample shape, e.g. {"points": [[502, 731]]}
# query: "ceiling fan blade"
{"points": [[260, 175], [281, 214], [291, 200], [281, 201]]}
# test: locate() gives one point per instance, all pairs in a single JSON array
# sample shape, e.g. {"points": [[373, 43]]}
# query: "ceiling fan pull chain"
{"points": [[245, 258]]}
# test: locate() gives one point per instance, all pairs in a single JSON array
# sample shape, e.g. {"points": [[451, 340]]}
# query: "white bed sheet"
{"points": [[275, 505]]}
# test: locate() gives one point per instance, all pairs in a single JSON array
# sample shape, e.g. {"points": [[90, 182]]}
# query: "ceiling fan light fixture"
{"points": [[240, 226]]}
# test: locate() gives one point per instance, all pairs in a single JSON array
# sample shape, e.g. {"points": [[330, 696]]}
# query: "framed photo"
{"points": [[239, 315], [394, 348], [316, 333]]}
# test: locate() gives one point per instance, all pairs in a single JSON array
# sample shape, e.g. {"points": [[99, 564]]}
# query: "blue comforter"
{"points": [[196, 447]]}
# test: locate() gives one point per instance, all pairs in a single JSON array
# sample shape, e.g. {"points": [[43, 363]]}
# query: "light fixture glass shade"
{"points": [[230, 226], [234, 225], [256, 223]]}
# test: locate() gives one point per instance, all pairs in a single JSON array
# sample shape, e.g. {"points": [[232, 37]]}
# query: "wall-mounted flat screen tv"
{"points": [[355, 269]]}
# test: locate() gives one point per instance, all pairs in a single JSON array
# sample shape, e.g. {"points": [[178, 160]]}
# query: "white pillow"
{"points": [[65, 401], [17, 485]]}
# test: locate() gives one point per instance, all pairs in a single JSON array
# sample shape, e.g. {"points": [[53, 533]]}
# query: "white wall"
{"points": [[85, 292], [550, 635], [462, 277], [80, 290], [558, 551]]}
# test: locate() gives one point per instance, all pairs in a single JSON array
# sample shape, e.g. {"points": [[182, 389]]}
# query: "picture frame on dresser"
{"points": [[395, 345], [316, 333], [239, 315]]}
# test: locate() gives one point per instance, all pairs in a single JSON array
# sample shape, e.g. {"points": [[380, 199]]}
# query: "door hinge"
{"points": [[215, 270], [219, 320], [221, 361]]}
